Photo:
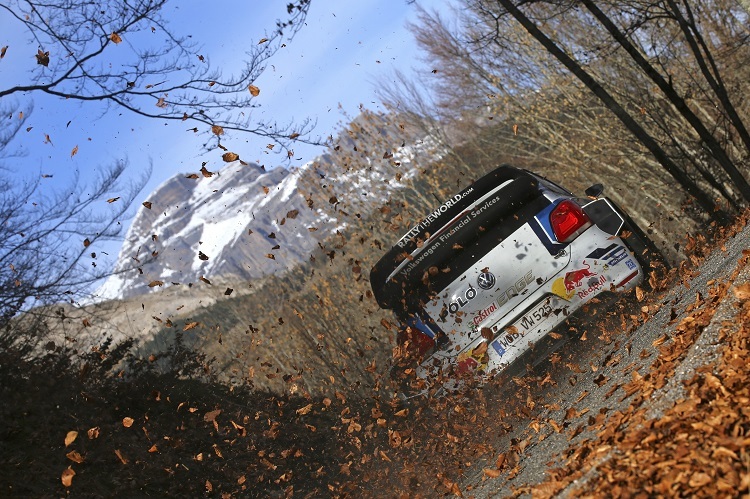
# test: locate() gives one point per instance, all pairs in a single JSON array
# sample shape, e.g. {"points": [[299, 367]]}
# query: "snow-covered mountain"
{"points": [[243, 222]]}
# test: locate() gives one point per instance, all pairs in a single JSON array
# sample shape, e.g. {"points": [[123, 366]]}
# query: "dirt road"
{"points": [[600, 392]]}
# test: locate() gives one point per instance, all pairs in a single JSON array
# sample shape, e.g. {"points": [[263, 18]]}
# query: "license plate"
{"points": [[530, 321], [535, 316]]}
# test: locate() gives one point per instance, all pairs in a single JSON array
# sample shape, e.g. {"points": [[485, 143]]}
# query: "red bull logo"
{"points": [[565, 287], [574, 279]]}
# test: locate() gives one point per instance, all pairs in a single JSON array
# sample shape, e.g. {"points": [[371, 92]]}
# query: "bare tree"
{"points": [[167, 78], [48, 242]]}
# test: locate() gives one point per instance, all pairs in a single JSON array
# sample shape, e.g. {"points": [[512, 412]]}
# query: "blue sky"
{"points": [[336, 60]]}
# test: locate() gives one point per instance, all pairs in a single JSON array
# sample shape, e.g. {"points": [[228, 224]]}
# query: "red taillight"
{"points": [[568, 220]]}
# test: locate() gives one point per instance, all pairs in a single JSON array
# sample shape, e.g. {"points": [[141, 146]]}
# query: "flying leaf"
{"points": [[112, 200], [47, 140], [217, 130], [204, 280], [292, 214], [228, 157], [86, 243], [210, 416], [153, 284], [3, 51], [304, 410], [190, 326], [206, 173], [254, 91], [74, 151], [202, 256], [294, 135], [67, 477], [70, 437], [192, 176], [161, 103], [74, 456], [262, 40], [228, 291], [147, 204], [42, 58], [127, 422], [115, 38], [122, 458], [93, 433]]}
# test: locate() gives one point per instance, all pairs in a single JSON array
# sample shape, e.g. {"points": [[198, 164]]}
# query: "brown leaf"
{"points": [[112, 200], [127, 422], [228, 291], [254, 91], [153, 449], [491, 473], [190, 326], [294, 135], [742, 292], [262, 40], [86, 322], [204, 280], [206, 173], [228, 157], [74, 456], [70, 437], [42, 58], [153, 284], [122, 458], [161, 103], [210, 416], [74, 151], [115, 38], [304, 410], [3, 51], [192, 176], [147, 204], [93, 433], [217, 130], [67, 477], [202, 256], [292, 214]]}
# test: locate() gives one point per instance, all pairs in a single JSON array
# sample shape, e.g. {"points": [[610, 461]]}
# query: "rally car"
{"points": [[498, 266]]}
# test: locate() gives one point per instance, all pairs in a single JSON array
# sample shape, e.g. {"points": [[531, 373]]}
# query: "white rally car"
{"points": [[495, 268]]}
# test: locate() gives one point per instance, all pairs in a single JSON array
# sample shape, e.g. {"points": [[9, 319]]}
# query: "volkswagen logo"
{"points": [[486, 280]]}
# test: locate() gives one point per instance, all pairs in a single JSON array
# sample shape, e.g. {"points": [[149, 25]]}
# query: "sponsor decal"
{"points": [[630, 264], [454, 229], [612, 254], [417, 229], [474, 360], [482, 316], [422, 255], [462, 300], [516, 289], [565, 287], [486, 280], [594, 285]]}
